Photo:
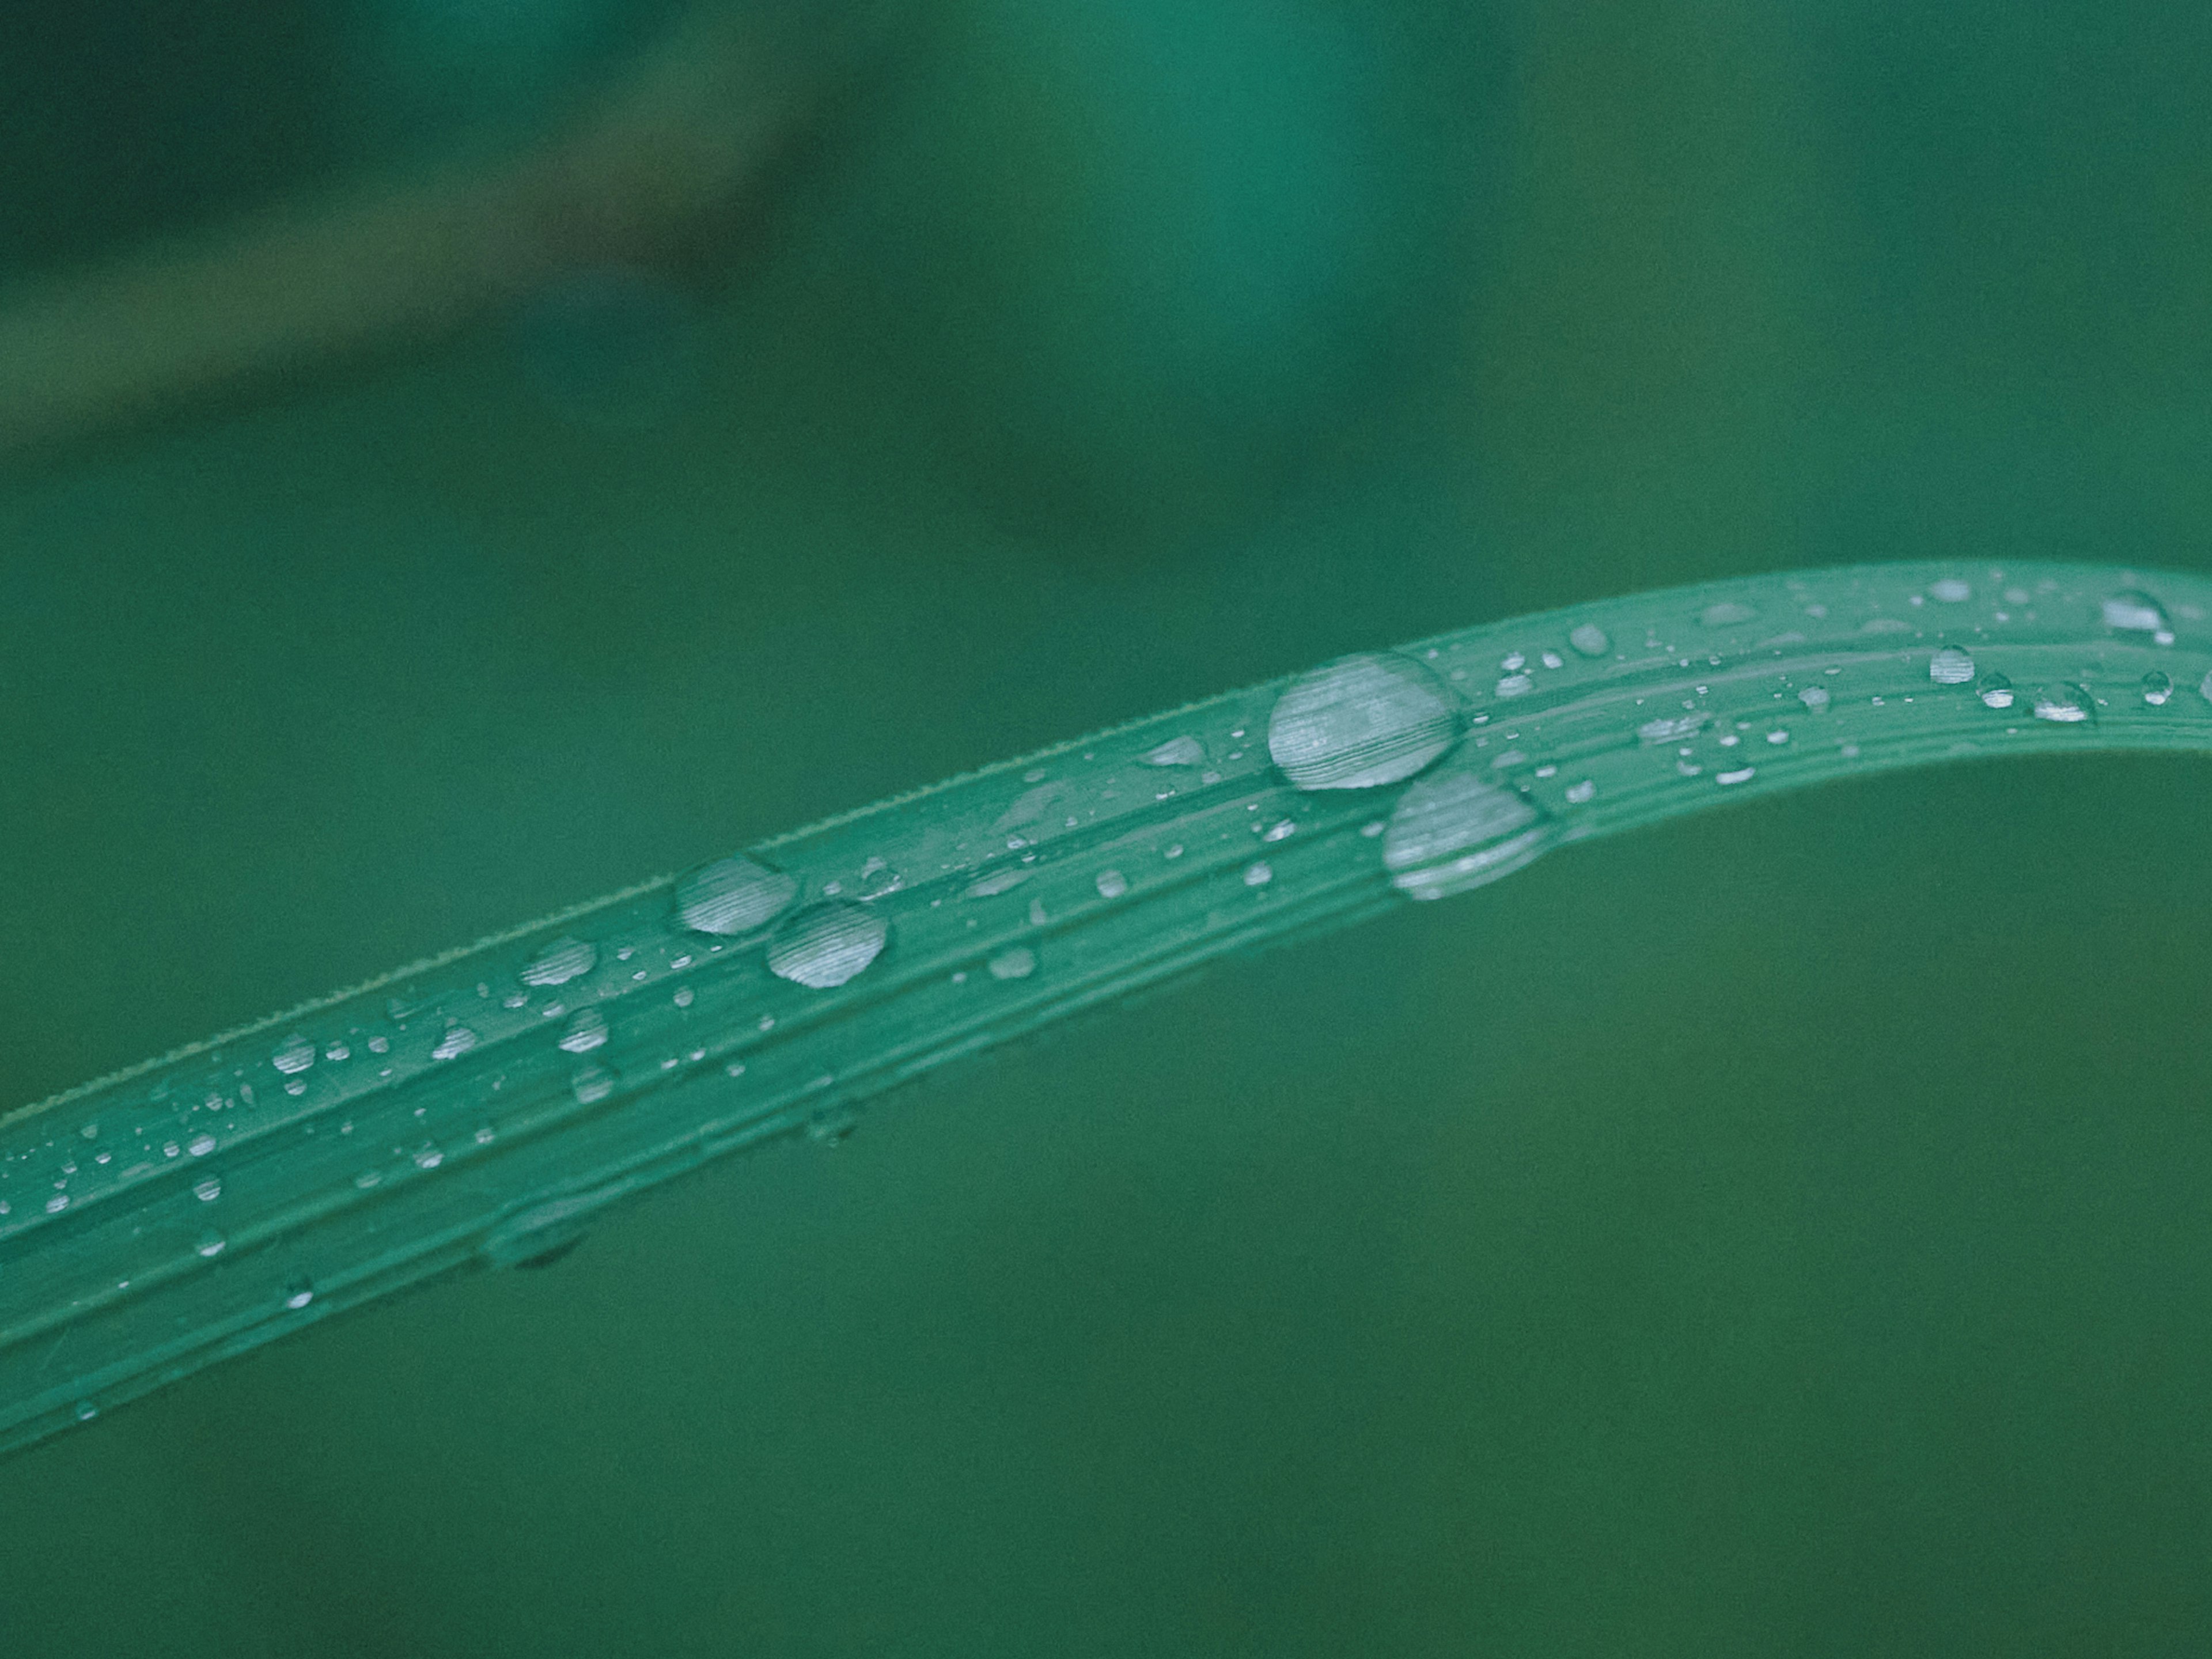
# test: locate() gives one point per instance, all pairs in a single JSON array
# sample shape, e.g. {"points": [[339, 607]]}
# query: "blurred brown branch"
{"points": [[661, 162]]}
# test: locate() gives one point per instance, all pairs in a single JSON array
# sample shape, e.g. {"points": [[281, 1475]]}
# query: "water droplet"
{"points": [[585, 1032], [210, 1243], [1669, 730], [1814, 696], [457, 1042], [1553, 659], [1176, 752], [2157, 690], [1258, 873], [200, 1145], [428, 1156], [1281, 830], [380, 1045], [733, 896], [1037, 917], [2066, 705], [1579, 793], [208, 1190], [1741, 775], [1361, 721], [593, 1085], [1951, 667], [685, 996], [293, 1055], [564, 959], [1995, 691], [997, 881], [1455, 831], [2135, 611], [1950, 591], [1112, 883], [57, 1203], [1726, 614], [485, 1134], [298, 1294], [1512, 665], [1590, 640], [1777, 735], [826, 944], [86, 1411], [1018, 963], [1516, 685]]}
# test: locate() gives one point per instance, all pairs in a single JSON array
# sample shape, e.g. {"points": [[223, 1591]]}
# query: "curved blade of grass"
{"points": [[479, 1108]]}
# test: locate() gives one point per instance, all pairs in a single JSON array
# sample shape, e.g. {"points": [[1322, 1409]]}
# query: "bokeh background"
{"points": [[1788, 1232]]}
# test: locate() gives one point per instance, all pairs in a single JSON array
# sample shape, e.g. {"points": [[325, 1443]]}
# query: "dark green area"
{"points": [[1787, 1233]]}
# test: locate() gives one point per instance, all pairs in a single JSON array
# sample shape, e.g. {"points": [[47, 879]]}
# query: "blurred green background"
{"points": [[1788, 1232]]}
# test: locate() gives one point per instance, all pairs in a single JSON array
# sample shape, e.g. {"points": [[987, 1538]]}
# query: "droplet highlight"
{"points": [[733, 896], [826, 944], [1360, 722]]}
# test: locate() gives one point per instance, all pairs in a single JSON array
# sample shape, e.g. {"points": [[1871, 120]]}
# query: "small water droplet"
{"points": [[1175, 849], [1512, 664], [1590, 640], [485, 1134], [86, 1411], [380, 1045], [1258, 873], [208, 1190], [1457, 831], [200, 1145], [1112, 883], [593, 1085], [1950, 591], [1361, 721], [2134, 611], [2066, 705], [2157, 688], [1995, 691], [457, 1042], [57, 1203], [1670, 730], [1814, 696], [1553, 659], [210, 1243], [564, 959], [1037, 917], [1516, 685], [826, 944], [1176, 752], [428, 1156], [1281, 830], [1727, 613], [1579, 793], [1741, 775], [1951, 667], [1018, 963], [1777, 735], [293, 1055], [733, 896], [298, 1294], [997, 881], [366, 1179], [685, 996], [585, 1032]]}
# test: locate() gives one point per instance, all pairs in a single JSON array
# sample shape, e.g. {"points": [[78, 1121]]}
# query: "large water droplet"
{"points": [[587, 1029], [1590, 640], [2066, 705], [2157, 690], [293, 1055], [1726, 614], [1455, 831], [2135, 611], [1951, 667], [826, 944], [733, 896], [457, 1042], [1995, 691], [564, 959], [1018, 963], [1176, 752], [1361, 721]]}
